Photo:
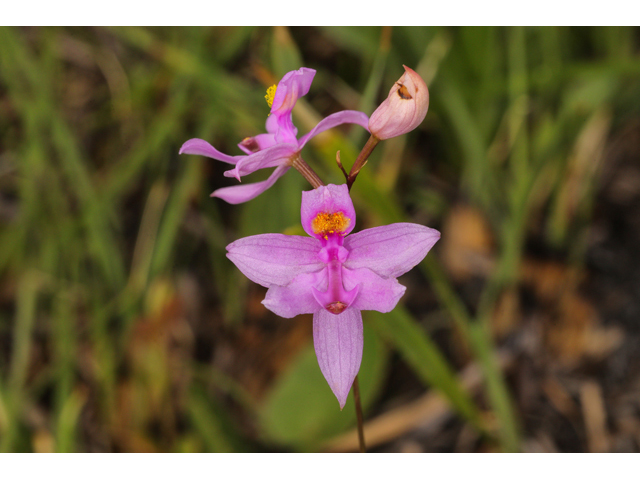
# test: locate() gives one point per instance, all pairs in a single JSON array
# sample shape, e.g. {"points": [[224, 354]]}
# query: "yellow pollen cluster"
{"points": [[326, 223], [271, 93]]}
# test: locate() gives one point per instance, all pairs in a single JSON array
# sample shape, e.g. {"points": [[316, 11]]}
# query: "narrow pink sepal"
{"points": [[243, 193], [297, 297], [275, 259], [338, 342], [292, 86], [333, 120], [197, 146], [390, 250], [375, 293], [272, 156], [261, 141]]}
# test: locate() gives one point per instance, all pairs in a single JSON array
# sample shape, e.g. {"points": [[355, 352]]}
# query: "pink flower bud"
{"points": [[403, 110]]}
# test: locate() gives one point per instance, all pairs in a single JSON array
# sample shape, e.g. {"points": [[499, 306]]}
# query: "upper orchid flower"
{"points": [[333, 276], [279, 147]]}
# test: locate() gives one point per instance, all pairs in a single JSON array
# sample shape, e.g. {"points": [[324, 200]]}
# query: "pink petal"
{"points": [[259, 142], [329, 199], [338, 342], [273, 156], [273, 124], [275, 259], [243, 193], [376, 293], [390, 250], [296, 298], [333, 120], [196, 146], [293, 85], [287, 132]]}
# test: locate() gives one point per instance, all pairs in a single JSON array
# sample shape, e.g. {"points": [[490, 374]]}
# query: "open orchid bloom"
{"points": [[333, 276], [279, 146]]}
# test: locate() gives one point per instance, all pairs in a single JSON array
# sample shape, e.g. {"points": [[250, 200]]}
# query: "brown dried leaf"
{"points": [[468, 245], [595, 417]]}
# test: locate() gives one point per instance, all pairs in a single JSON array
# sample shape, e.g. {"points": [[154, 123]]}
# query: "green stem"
{"points": [[307, 172], [356, 397], [361, 161]]}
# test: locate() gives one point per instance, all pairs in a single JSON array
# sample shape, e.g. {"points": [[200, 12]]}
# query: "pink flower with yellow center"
{"points": [[279, 146], [333, 275]]}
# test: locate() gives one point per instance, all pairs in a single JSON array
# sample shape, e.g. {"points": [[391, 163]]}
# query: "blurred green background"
{"points": [[123, 327]]}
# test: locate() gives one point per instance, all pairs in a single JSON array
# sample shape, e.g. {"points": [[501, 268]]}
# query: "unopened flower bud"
{"points": [[403, 110]]}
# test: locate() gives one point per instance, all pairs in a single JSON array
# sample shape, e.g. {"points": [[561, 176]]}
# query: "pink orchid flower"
{"points": [[333, 276], [279, 146]]}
